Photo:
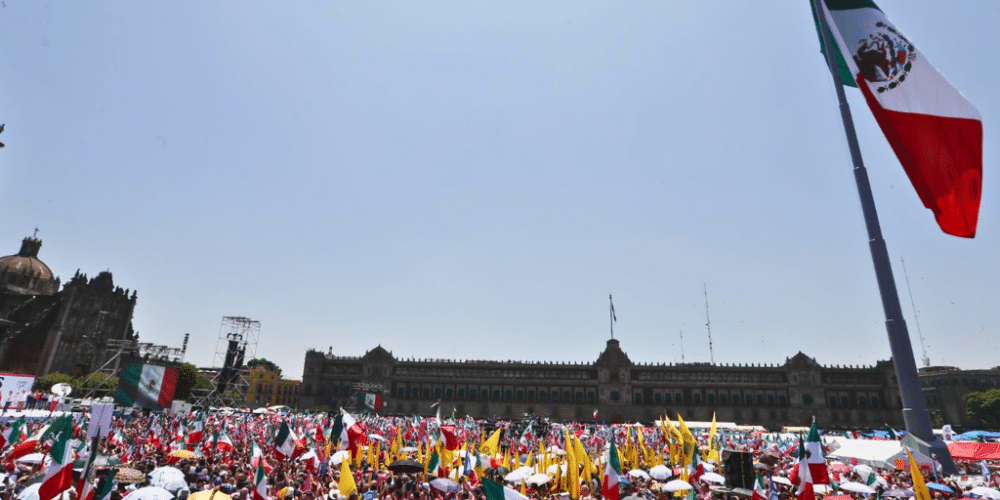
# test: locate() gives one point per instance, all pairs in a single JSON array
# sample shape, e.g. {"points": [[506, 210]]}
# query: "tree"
{"points": [[187, 377], [103, 382], [45, 382], [985, 407], [270, 365]]}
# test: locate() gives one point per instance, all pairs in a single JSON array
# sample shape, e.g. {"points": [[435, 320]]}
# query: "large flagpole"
{"points": [[915, 415]]}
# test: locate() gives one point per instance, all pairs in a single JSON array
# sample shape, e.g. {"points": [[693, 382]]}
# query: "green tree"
{"points": [[187, 378], [985, 407], [103, 382], [270, 365], [45, 382]]}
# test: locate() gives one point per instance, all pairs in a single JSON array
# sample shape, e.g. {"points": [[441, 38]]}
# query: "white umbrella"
{"points": [[556, 450], [376, 437], [149, 493], [408, 449], [339, 457], [539, 479], [713, 478], [519, 475], [168, 478], [638, 473], [443, 484], [856, 487], [708, 467], [660, 472], [676, 485], [821, 488], [863, 470], [781, 480], [555, 467], [986, 492]]}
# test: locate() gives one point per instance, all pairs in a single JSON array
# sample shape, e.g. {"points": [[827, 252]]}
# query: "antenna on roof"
{"points": [[708, 324], [916, 317], [682, 346]]}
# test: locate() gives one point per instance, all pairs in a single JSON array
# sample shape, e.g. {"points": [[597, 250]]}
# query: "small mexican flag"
{"points": [[260, 483], [759, 492], [146, 386], [59, 475], [497, 491], [287, 444], [609, 486]]}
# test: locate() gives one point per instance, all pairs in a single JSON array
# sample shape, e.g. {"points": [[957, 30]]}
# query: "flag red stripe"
{"points": [[943, 158], [168, 387], [58, 483]]}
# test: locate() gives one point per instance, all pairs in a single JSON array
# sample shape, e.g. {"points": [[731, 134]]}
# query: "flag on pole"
{"points": [[613, 317], [260, 483], [347, 484], [759, 492], [109, 486], [917, 477], [287, 444], [613, 469], [59, 475], [936, 133]]}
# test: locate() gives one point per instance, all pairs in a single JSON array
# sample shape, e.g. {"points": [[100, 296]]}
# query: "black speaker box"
{"points": [[737, 468]]}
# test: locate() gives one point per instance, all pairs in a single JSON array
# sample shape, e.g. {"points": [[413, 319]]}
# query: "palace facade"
{"points": [[618, 389]]}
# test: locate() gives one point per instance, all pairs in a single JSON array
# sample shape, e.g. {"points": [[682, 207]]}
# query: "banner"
{"points": [[14, 389], [146, 386]]}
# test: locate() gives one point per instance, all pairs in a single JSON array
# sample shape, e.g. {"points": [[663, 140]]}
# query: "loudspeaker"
{"points": [[737, 468]]}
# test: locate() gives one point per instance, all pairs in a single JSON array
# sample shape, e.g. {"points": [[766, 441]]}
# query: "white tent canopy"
{"points": [[881, 454]]}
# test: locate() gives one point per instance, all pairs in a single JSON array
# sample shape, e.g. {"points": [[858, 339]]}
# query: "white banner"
{"points": [[14, 389]]}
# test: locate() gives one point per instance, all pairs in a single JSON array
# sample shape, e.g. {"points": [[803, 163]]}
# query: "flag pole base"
{"points": [[937, 448]]}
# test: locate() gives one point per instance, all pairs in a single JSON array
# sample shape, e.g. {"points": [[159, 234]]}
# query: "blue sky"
{"points": [[471, 180]]}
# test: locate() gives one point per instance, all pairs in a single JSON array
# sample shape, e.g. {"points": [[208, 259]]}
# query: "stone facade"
{"points": [[44, 329], [266, 388], [620, 390], [945, 387]]}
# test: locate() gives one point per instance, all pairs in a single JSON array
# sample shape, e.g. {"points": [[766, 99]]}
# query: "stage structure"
{"points": [[237, 343]]}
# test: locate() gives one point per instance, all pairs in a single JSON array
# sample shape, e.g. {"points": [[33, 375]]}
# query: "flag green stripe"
{"points": [[846, 78], [128, 385], [850, 4]]}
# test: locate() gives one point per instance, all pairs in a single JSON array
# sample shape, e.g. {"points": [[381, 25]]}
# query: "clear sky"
{"points": [[471, 180]]}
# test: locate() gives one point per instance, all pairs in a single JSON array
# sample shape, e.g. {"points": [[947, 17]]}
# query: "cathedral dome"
{"points": [[25, 271]]}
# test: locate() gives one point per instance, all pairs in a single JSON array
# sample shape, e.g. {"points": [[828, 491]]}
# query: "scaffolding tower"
{"points": [[237, 343]]}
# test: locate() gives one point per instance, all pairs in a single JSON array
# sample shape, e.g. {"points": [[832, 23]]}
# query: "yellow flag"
{"points": [[572, 471], [713, 443], [582, 458], [919, 487], [688, 440], [346, 485], [492, 444]]}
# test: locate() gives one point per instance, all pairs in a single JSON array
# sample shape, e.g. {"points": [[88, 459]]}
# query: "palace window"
{"points": [[413, 392], [658, 398], [770, 399], [579, 396], [667, 398], [520, 397], [531, 395], [427, 392], [845, 401], [722, 398], [615, 397], [760, 400], [807, 399], [461, 394], [496, 396], [567, 396], [507, 395], [437, 393], [638, 399], [335, 389], [447, 393], [400, 392], [697, 398], [711, 398], [483, 394], [862, 401], [544, 396], [749, 399], [782, 400], [679, 398]]}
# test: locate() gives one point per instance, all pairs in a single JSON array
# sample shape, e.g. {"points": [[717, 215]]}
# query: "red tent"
{"points": [[967, 450]]}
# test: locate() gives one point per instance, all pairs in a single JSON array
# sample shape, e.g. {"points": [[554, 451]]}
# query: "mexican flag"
{"points": [[497, 491], [109, 486], [815, 458], [197, 430], [257, 458], [934, 130], [759, 492], [351, 432], [59, 475], [609, 485], [287, 444], [12, 434], [222, 442], [260, 483], [803, 476], [146, 386]]}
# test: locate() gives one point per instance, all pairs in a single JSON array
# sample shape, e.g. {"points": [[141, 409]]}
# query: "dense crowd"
{"points": [[301, 456]]}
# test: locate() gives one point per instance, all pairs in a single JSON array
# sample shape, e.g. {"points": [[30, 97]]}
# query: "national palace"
{"points": [[618, 389]]}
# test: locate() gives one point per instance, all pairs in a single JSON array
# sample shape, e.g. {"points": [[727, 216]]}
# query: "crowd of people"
{"points": [[318, 456]]}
